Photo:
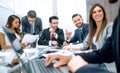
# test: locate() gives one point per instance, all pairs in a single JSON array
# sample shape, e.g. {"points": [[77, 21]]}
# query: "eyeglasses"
{"points": [[54, 22]]}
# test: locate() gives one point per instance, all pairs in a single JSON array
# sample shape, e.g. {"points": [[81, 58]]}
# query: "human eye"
{"points": [[94, 12]]}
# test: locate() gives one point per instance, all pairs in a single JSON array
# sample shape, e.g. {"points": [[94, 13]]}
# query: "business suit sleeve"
{"points": [[60, 38], [85, 31], [104, 54], [44, 38], [73, 39], [38, 25], [24, 24], [91, 69], [109, 29], [84, 45]]}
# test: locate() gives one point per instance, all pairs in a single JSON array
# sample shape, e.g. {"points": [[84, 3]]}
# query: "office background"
{"points": [[64, 9]]}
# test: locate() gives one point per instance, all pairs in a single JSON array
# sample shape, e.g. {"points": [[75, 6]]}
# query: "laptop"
{"points": [[34, 65]]}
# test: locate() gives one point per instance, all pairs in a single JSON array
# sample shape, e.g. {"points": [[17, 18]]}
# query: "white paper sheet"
{"points": [[61, 52], [2, 54], [29, 38]]}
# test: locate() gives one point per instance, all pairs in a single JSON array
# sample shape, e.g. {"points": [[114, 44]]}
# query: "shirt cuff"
{"points": [[50, 43], [56, 36]]}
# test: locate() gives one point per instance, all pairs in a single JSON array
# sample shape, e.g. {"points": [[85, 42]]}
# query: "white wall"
{"points": [[65, 10], [4, 13]]}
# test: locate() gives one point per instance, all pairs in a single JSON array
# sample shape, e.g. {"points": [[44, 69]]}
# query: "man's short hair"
{"points": [[53, 17], [31, 14], [74, 15]]}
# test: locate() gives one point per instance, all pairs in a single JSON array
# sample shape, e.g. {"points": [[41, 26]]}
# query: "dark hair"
{"points": [[10, 20], [31, 14], [53, 17], [92, 24], [112, 1], [74, 15]]}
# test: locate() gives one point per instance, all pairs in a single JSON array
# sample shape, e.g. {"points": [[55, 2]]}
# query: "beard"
{"points": [[78, 25]]}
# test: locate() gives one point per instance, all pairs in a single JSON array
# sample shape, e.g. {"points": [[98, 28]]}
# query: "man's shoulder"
{"points": [[85, 26], [46, 29], [38, 18], [60, 29], [24, 17]]}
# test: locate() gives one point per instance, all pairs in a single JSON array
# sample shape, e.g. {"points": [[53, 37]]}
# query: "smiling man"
{"points": [[80, 33]]}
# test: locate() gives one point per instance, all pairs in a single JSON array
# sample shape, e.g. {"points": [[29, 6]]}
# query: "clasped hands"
{"points": [[53, 42]]}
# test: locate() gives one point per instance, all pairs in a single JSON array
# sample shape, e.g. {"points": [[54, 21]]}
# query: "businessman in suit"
{"points": [[31, 24], [52, 36], [80, 33]]}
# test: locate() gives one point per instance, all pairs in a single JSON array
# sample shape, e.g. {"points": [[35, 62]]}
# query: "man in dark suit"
{"points": [[31, 24], [110, 52], [52, 35], [80, 33]]}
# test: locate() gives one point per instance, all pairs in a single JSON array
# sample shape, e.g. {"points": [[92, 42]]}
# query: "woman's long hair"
{"points": [[93, 26], [10, 20]]}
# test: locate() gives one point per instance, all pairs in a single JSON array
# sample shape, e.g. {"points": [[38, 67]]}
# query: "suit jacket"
{"points": [[101, 40], [80, 34], [45, 37], [26, 28], [111, 49], [91, 69]]}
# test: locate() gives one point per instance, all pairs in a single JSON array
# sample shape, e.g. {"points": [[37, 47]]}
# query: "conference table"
{"points": [[31, 51]]}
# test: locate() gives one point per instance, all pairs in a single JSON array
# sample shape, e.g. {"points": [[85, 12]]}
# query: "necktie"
{"points": [[32, 29], [52, 36]]}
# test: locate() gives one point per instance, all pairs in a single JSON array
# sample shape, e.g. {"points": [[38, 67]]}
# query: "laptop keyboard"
{"points": [[49, 69]]}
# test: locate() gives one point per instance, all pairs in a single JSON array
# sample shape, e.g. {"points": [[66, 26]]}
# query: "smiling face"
{"points": [[78, 21], [97, 14], [97, 19]]}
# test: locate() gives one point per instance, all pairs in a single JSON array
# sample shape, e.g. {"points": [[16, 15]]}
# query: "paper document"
{"points": [[29, 38], [4, 53], [61, 52], [31, 53]]}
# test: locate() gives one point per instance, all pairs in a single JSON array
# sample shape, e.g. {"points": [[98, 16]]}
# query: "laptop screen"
{"points": [[14, 41]]}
